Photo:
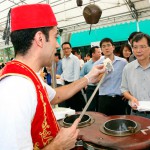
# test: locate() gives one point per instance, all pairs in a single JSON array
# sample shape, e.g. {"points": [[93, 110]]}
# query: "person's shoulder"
{"points": [[81, 60], [63, 58], [99, 61], [60, 61], [18, 82], [87, 64], [131, 65], [75, 58], [19, 88], [121, 59]]}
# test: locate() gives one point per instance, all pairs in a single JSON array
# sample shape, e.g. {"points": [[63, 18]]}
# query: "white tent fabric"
{"points": [[70, 16]]}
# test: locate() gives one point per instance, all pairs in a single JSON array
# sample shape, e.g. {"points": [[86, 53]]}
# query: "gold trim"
{"points": [[45, 135], [36, 145]]}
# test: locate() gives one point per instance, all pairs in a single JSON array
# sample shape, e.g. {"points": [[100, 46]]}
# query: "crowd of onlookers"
{"points": [[114, 93]]}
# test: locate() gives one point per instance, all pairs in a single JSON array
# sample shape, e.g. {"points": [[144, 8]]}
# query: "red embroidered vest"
{"points": [[44, 125]]}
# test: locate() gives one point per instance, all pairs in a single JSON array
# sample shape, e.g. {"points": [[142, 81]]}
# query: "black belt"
{"points": [[141, 112], [91, 85], [112, 96]]}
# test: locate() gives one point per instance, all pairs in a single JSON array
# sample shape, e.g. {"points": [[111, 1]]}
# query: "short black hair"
{"points": [[22, 39], [132, 35], [139, 36], [92, 50], [66, 43], [106, 40], [58, 54]]}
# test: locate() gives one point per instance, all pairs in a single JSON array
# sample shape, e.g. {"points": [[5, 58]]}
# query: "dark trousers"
{"points": [[112, 105], [76, 102], [94, 104]]}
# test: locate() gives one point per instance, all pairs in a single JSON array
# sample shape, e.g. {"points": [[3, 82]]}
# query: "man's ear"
{"points": [[39, 38]]}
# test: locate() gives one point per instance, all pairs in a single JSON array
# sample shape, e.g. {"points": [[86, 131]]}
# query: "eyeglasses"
{"points": [[107, 45], [66, 48], [142, 47]]}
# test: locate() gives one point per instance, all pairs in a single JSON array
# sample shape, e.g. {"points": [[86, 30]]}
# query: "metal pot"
{"points": [[120, 126], [68, 121]]}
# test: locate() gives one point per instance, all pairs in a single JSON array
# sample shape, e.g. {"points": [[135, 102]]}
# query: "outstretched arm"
{"points": [[67, 91]]}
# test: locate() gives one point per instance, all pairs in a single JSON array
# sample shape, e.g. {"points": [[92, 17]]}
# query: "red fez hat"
{"points": [[32, 16]]}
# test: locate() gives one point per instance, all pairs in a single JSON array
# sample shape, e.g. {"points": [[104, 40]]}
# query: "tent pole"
{"points": [[137, 26]]}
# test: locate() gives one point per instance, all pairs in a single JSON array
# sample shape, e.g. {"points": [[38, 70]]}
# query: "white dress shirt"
{"points": [[71, 68]]}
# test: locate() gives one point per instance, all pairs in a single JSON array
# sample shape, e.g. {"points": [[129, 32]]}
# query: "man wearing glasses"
{"points": [[71, 73], [136, 75], [110, 98]]}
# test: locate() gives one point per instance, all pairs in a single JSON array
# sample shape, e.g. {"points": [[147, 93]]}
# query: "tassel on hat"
{"points": [[6, 33]]}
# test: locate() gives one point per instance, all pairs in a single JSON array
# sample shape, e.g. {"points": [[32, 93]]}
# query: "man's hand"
{"points": [[58, 76], [134, 103], [66, 138], [95, 74]]}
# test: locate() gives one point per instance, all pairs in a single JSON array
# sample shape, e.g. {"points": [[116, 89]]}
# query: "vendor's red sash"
{"points": [[44, 125]]}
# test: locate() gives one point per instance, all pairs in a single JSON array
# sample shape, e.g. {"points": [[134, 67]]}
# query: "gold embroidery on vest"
{"points": [[45, 135], [36, 145]]}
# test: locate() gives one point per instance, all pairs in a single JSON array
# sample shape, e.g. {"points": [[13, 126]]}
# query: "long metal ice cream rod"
{"points": [[53, 71], [92, 96]]}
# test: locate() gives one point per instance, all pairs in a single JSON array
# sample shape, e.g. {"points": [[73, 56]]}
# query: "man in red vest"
{"points": [[27, 119]]}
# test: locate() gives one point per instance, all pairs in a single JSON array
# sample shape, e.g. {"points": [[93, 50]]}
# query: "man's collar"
{"points": [[69, 55], [138, 65]]}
